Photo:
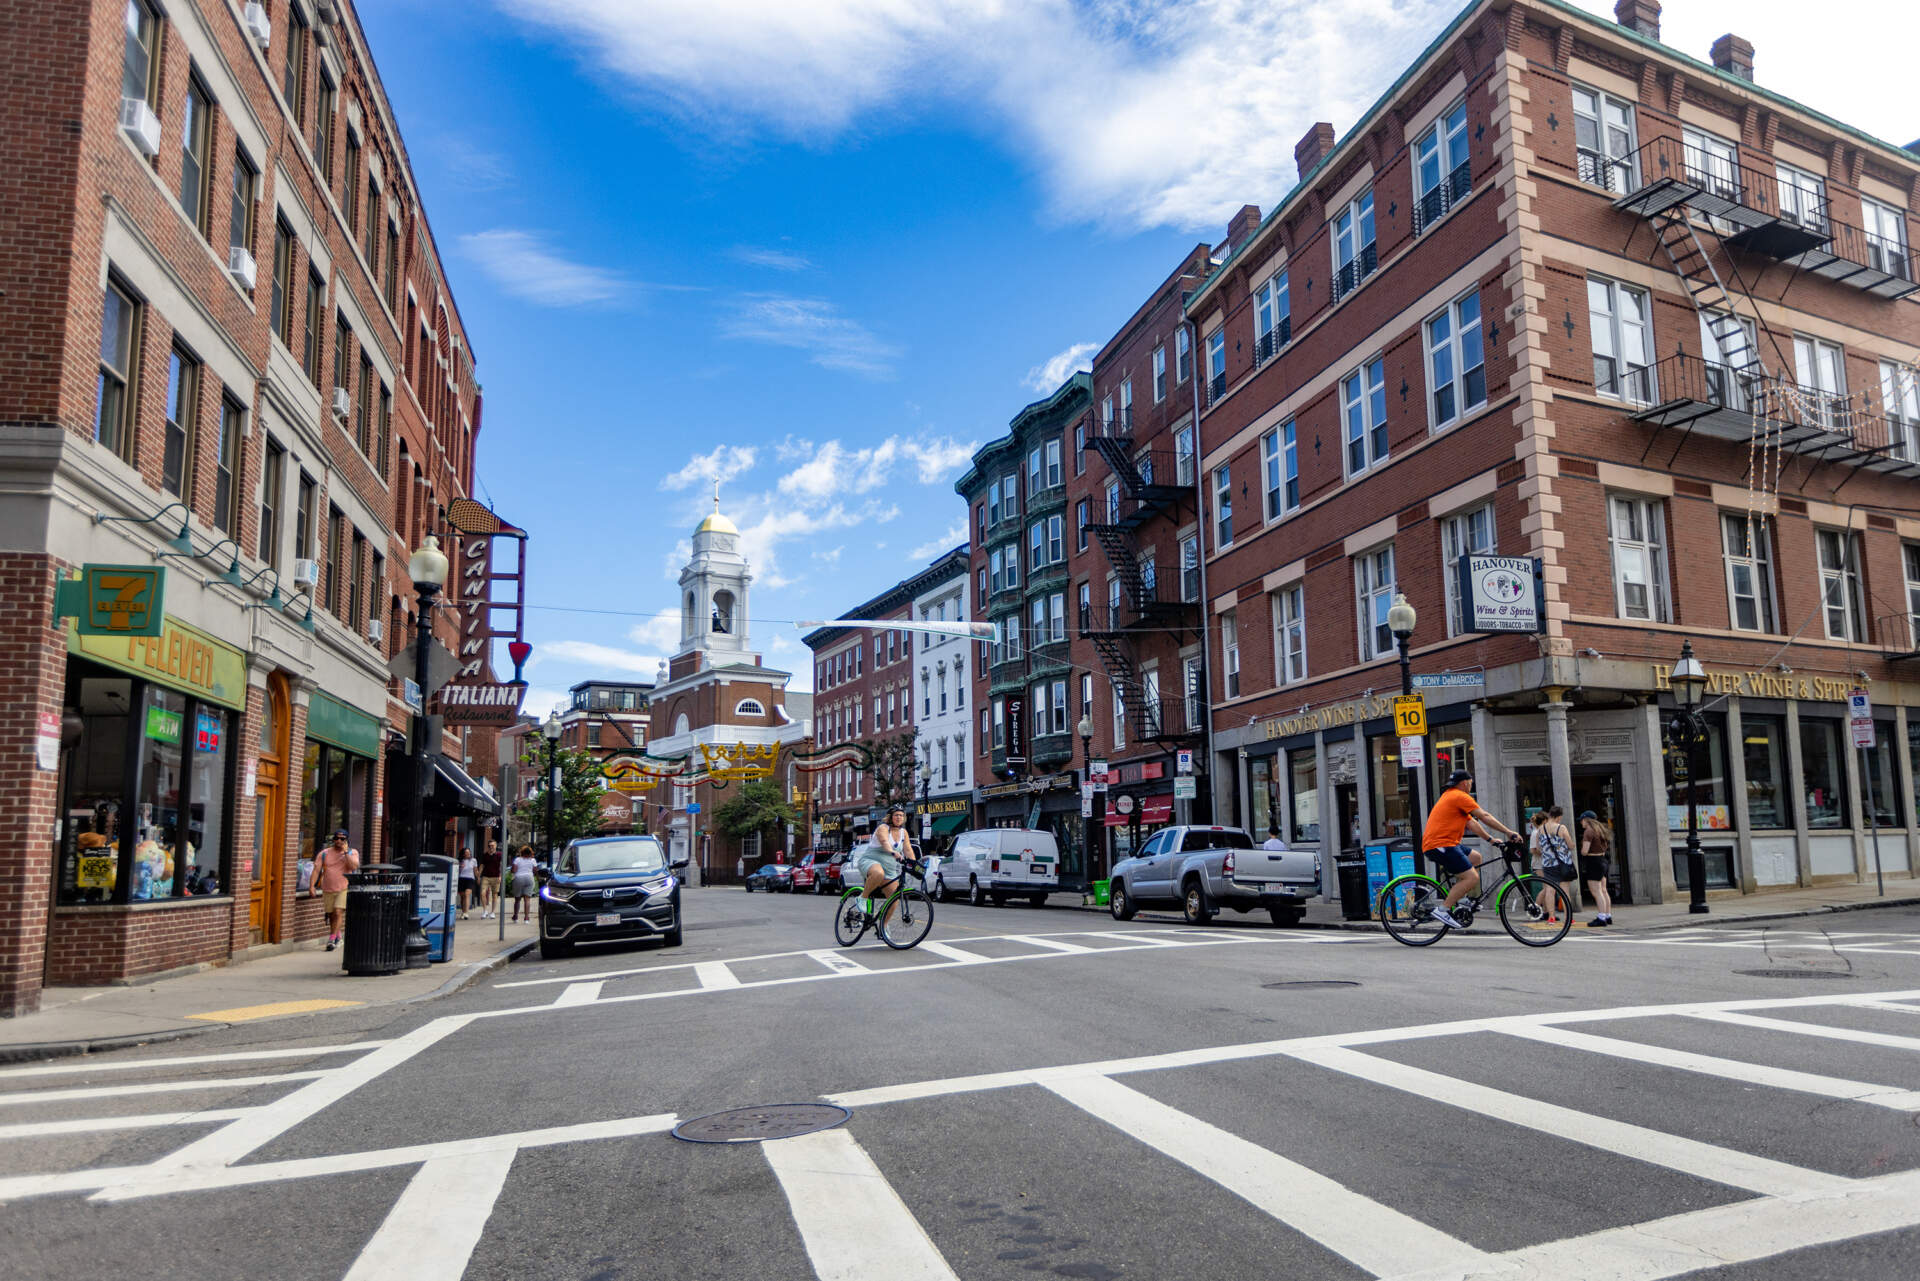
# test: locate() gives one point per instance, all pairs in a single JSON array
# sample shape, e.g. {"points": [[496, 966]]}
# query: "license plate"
{"points": [[607, 918]]}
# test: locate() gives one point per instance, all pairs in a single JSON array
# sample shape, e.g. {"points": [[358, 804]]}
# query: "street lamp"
{"points": [[926, 819], [1401, 620], [1086, 763], [1689, 681], [428, 569], [550, 730]]}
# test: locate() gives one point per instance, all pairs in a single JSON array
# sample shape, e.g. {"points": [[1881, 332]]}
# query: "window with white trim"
{"points": [[1748, 545], [1820, 367], [1113, 502], [1119, 716], [1910, 560], [1193, 696], [1840, 584], [1216, 364], [1290, 638], [1467, 533], [1355, 255], [1603, 138], [1230, 652], [1456, 362], [1085, 607], [1886, 237], [1035, 483], [999, 723], [1081, 518], [1056, 540], [1272, 318], [1126, 404], [1159, 373], [1182, 355], [1086, 695], [1183, 456], [749, 707], [1080, 448], [1057, 607], [1441, 172], [1373, 585], [1803, 196], [1637, 531], [1363, 401], [1900, 400], [1222, 507], [1622, 326], [1053, 464], [1190, 568]]}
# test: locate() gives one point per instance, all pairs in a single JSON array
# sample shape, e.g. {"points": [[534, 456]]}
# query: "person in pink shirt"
{"points": [[330, 869]]}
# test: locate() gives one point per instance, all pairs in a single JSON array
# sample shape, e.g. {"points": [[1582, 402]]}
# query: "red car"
{"points": [[817, 872]]}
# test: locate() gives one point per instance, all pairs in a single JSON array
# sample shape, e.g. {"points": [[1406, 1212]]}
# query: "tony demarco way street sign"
{"points": [[491, 601]]}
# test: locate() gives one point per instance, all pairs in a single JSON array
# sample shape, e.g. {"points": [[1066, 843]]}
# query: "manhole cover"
{"points": [[1794, 974], [768, 1121], [1307, 983]]}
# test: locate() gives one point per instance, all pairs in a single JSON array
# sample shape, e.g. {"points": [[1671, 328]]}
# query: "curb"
{"points": [[1693, 923], [42, 1050]]}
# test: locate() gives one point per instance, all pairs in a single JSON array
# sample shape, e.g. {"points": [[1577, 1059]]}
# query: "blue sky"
{"points": [[821, 250]]}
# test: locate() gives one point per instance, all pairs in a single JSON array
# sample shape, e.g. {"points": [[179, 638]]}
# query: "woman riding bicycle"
{"points": [[879, 863]]}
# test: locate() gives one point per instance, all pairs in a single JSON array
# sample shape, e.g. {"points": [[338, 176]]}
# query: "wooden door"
{"points": [[270, 812]]}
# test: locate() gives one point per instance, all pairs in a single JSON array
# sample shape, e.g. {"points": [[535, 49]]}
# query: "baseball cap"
{"points": [[1586, 814], [339, 832], [1459, 776]]}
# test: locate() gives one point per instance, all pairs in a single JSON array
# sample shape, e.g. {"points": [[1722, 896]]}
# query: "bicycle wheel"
{"points": [[906, 918], [1521, 914], [850, 919], [1406, 909]]}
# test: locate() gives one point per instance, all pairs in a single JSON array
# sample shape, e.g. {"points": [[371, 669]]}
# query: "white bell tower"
{"points": [[713, 592]]}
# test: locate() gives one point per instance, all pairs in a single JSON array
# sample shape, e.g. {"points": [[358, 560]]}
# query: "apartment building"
{"points": [[609, 719], [863, 692], [1568, 294], [229, 351], [943, 723]]}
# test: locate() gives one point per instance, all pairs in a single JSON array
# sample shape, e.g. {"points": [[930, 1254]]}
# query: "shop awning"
{"points": [[455, 792], [1155, 811], [948, 824]]}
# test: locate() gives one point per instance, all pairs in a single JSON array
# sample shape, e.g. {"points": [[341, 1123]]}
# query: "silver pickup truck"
{"points": [[1207, 868]]}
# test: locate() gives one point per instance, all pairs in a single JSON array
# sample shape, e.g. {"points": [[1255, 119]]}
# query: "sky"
{"points": [[820, 250]]}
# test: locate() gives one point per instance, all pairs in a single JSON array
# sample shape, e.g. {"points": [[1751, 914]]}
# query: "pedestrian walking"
{"points": [[1595, 846], [469, 883], [1555, 847], [525, 882], [490, 881], [331, 867]]}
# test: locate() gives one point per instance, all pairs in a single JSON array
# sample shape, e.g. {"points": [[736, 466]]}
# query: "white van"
{"points": [[999, 863]]}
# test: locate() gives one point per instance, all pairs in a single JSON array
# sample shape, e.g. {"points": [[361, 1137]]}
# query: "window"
{"points": [[240, 215], [393, 267], [273, 480], [1727, 341], [1057, 608], [1282, 471], [1749, 555], [1183, 456], [323, 131], [1272, 318], [1056, 540], [893, 709], [350, 184], [1192, 695], [336, 551], [1053, 464], [1106, 416], [342, 352], [356, 568], [1126, 405], [1216, 364], [1080, 520], [1374, 583], [1012, 627], [980, 523], [1290, 618], [183, 418], [1900, 399], [1637, 528], [1080, 448], [1034, 482], [385, 427], [303, 519], [113, 405], [1159, 373], [363, 408], [138, 65], [999, 723], [1821, 369], [1222, 507], [1042, 720], [293, 81], [371, 245], [1190, 568], [1712, 162], [1114, 592], [1182, 355], [1354, 253], [1113, 502], [196, 169], [1119, 716], [1230, 652], [1603, 139], [1456, 363], [1363, 398], [1622, 341], [1468, 533], [1803, 197], [282, 315], [1886, 229], [1039, 620], [1441, 173], [1840, 584], [982, 587], [315, 333], [1010, 496], [1764, 747], [1821, 773], [1910, 558]]}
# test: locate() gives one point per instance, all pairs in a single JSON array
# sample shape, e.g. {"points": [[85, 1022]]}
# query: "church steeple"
{"points": [[713, 591]]}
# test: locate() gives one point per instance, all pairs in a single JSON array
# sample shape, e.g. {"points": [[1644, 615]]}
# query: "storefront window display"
{"points": [[1449, 747], [336, 793], [1304, 797], [1710, 792], [1764, 748], [1886, 797], [1263, 810], [1823, 773], [1391, 801]]}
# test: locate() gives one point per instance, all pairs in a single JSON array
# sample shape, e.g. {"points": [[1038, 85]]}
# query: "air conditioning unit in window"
{"points": [[376, 630], [141, 125], [342, 402], [241, 267], [259, 26], [306, 573]]}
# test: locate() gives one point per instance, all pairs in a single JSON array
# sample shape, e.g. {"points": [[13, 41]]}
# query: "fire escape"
{"points": [[1681, 188], [1148, 598]]}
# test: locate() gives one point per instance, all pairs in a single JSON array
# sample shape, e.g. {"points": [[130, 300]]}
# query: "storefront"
{"points": [[338, 788], [1049, 803], [947, 817]]}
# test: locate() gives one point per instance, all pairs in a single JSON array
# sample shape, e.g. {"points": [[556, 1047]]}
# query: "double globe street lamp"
{"points": [[427, 567], [1688, 731], [1401, 620], [550, 730]]}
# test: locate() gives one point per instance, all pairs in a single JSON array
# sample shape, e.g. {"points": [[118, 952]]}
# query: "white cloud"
{"points": [[833, 468], [1134, 112], [541, 700], [812, 325], [722, 465], [783, 522], [1047, 376], [661, 632], [777, 259], [470, 168], [520, 264], [603, 657], [942, 543]]}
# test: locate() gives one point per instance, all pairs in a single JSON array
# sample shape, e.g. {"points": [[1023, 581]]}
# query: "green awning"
{"points": [[948, 824]]}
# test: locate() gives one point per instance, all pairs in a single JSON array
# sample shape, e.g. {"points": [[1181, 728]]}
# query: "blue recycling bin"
{"points": [[1386, 860], [439, 900]]}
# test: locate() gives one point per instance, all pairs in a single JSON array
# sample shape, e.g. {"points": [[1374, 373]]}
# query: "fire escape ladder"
{"points": [[1710, 297], [1117, 542], [1118, 453]]}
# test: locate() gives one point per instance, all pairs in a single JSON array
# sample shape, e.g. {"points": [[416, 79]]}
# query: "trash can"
{"points": [[438, 902], [379, 896], [1355, 902], [1100, 891]]}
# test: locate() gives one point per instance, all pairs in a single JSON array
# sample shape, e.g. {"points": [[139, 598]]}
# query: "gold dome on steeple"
{"points": [[715, 523]]}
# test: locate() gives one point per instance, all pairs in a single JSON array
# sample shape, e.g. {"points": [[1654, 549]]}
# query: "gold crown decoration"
{"points": [[739, 760]]}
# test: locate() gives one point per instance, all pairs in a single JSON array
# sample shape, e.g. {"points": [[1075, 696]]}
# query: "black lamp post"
{"points": [[550, 730], [1689, 681], [1086, 768], [926, 819], [428, 569], [1401, 620]]}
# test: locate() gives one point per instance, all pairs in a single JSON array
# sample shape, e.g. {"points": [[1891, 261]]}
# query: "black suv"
{"points": [[610, 888]]}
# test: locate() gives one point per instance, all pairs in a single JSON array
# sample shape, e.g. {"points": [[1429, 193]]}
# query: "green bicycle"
{"points": [[901, 919], [1407, 905]]}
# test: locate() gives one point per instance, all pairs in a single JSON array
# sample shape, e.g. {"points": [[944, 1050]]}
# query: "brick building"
{"points": [[863, 693], [229, 350], [609, 719], [1567, 293]]}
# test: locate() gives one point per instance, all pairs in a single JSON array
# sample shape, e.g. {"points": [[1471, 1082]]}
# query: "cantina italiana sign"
{"points": [[489, 595]]}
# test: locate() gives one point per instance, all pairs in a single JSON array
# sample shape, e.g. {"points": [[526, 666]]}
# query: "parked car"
{"points": [[770, 877], [830, 875], [1207, 868], [807, 872], [608, 889], [999, 863]]}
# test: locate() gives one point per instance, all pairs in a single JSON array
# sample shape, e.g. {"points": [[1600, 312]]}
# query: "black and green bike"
{"points": [[901, 919], [1534, 910]]}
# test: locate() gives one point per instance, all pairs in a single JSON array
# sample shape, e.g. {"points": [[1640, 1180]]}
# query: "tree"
{"points": [[757, 804], [895, 771], [578, 809]]}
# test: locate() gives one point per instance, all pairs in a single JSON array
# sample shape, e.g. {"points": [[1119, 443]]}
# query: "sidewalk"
{"points": [[306, 980]]}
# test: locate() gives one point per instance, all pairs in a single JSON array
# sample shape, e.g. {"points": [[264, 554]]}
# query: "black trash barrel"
{"points": [[379, 899], [1351, 866]]}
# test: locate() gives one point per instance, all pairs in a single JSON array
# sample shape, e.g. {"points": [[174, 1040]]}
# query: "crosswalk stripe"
{"points": [[155, 1087], [580, 993], [70, 1067], [837, 962], [1893, 1006], [951, 952], [1139, 936], [715, 974], [430, 1233], [1056, 945], [1373, 1236], [1702, 1160], [1856, 1035], [1831, 1087], [854, 1225], [139, 1121]]}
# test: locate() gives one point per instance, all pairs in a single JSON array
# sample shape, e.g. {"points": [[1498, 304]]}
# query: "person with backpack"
{"points": [[1556, 866], [1595, 845]]}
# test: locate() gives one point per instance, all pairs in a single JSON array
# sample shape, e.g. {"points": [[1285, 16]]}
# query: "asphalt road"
{"points": [[1034, 1094]]}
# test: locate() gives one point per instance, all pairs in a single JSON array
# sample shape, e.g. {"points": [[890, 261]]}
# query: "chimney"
{"points": [[1241, 226], [1642, 16], [1310, 150], [1734, 56]]}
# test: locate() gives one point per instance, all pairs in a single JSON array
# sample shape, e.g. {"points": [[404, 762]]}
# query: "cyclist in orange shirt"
{"points": [[1446, 826]]}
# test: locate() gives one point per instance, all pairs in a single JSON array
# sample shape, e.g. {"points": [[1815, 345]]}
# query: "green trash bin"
{"points": [[1100, 893]]}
